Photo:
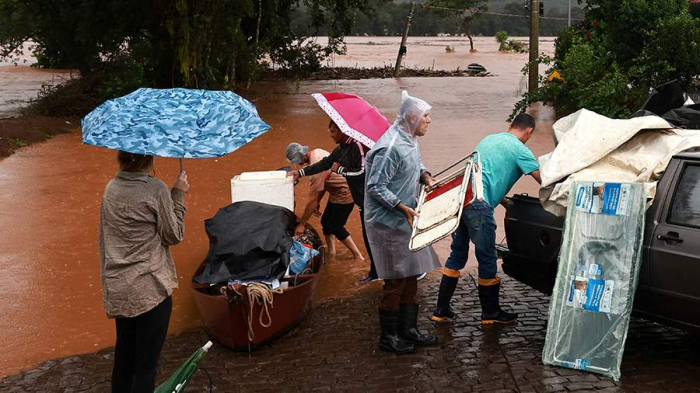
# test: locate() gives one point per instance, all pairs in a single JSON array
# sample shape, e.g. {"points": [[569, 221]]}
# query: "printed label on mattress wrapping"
{"points": [[603, 198], [595, 270], [581, 364], [590, 294]]}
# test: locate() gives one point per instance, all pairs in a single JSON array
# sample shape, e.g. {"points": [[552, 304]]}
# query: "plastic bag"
{"points": [[599, 265], [299, 256]]}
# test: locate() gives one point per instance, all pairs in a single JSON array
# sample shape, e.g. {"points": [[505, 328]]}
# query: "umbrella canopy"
{"points": [[354, 116], [181, 377], [180, 123]]}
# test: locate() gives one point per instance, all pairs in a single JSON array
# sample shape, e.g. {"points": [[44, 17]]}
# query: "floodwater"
{"points": [[20, 84], [50, 193]]}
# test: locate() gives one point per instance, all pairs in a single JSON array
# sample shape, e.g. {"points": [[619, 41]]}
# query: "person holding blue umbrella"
{"points": [[141, 217]]}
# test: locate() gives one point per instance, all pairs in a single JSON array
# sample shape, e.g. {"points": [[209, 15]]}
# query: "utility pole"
{"points": [[569, 19], [533, 73], [402, 48]]}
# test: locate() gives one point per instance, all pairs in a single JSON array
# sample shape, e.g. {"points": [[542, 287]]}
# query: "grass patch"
{"points": [[18, 142]]}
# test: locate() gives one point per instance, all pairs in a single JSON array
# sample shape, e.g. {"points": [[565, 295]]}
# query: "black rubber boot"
{"points": [[490, 309], [408, 326], [390, 339], [443, 312]]}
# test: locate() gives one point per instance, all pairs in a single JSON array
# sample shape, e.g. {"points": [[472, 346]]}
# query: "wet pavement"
{"points": [[51, 289], [335, 349], [51, 192]]}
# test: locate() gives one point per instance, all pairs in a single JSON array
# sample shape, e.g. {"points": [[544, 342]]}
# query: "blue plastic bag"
{"points": [[299, 257]]}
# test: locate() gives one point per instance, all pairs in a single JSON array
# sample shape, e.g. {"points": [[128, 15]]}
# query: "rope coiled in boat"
{"points": [[262, 295]]}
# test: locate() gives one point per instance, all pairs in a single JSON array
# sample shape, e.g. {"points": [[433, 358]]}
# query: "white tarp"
{"points": [[593, 147]]}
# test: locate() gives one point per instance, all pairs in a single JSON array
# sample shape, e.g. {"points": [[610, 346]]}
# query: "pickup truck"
{"points": [[669, 281]]}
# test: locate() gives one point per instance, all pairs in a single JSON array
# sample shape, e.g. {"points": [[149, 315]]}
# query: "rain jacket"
{"points": [[394, 168], [351, 157]]}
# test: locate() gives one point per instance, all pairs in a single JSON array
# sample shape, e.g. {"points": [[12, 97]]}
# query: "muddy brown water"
{"points": [[50, 193], [19, 84]]}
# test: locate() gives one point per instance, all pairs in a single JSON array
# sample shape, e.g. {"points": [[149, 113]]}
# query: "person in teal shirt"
{"points": [[504, 159]]}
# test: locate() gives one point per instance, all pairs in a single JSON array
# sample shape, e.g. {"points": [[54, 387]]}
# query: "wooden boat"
{"points": [[229, 320]]}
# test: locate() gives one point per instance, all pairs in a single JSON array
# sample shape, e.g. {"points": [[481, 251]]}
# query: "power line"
{"points": [[527, 16], [473, 12], [449, 9]]}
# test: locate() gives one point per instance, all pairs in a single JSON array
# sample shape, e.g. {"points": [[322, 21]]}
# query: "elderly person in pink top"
{"points": [[140, 218]]}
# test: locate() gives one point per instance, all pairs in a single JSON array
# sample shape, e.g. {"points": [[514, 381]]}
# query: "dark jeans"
{"points": [[334, 219], [398, 292], [478, 225], [372, 268], [139, 341]]}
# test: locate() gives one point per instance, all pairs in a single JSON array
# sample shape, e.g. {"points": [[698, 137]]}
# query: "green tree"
{"points": [[462, 14], [671, 51], [197, 43], [695, 9], [502, 39], [624, 48], [515, 8], [623, 25], [509, 45]]}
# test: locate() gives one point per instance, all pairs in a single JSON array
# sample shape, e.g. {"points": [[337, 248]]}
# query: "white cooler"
{"points": [[271, 187]]}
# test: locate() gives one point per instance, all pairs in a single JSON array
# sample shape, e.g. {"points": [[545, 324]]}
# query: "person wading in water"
{"points": [[340, 202], [348, 160]]}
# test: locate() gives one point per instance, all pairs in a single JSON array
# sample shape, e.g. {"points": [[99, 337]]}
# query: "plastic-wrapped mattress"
{"points": [[599, 264]]}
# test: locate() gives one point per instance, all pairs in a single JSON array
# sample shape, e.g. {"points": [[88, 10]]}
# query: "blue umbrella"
{"points": [[180, 123]]}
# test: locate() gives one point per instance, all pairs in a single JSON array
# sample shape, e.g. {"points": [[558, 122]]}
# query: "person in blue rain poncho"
{"points": [[395, 173]]}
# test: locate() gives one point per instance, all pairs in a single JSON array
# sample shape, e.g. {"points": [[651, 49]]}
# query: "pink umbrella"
{"points": [[354, 116]]}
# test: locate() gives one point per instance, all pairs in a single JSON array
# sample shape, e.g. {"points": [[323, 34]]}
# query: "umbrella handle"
{"points": [[181, 166]]}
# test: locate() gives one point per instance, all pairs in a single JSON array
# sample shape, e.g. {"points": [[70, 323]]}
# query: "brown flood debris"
{"points": [[354, 73]]}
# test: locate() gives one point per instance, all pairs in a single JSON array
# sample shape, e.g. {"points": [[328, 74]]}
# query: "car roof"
{"points": [[693, 155]]}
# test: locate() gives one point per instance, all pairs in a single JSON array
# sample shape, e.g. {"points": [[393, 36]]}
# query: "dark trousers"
{"points": [[398, 292], [334, 219], [139, 341], [372, 268]]}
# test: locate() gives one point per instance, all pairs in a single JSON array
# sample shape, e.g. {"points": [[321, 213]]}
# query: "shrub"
{"points": [[623, 49], [502, 38]]}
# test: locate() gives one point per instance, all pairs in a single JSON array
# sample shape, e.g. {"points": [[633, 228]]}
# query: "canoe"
{"points": [[228, 319]]}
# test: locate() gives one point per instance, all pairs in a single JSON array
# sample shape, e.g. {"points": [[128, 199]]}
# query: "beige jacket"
{"points": [[140, 218]]}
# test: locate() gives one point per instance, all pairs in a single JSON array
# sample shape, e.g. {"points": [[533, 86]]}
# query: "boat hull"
{"points": [[227, 322]]}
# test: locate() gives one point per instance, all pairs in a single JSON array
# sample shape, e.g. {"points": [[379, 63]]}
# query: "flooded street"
{"points": [[51, 192]]}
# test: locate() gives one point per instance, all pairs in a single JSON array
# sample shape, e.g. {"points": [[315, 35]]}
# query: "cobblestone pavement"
{"points": [[335, 349]]}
